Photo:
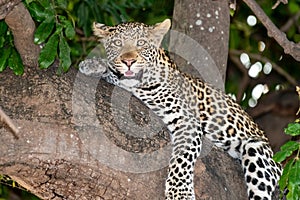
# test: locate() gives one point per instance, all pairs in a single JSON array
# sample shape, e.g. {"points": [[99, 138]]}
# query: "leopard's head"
{"points": [[131, 47]]}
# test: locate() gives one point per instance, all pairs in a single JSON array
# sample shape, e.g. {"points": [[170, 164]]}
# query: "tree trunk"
{"points": [[207, 23], [81, 138], [22, 26]]}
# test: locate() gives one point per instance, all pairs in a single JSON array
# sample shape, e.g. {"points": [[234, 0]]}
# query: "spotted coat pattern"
{"points": [[190, 108]]}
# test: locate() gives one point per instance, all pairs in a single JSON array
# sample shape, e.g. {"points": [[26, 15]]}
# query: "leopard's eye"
{"points": [[117, 43], [141, 42]]}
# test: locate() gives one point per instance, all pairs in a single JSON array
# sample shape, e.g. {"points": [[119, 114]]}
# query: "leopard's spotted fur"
{"points": [[190, 108]]}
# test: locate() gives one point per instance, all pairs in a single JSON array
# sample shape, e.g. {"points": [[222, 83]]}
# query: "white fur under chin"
{"points": [[129, 83]]}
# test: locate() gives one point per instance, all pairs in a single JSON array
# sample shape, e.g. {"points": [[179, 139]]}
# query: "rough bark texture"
{"points": [[207, 22], [55, 159], [23, 27], [6, 6]]}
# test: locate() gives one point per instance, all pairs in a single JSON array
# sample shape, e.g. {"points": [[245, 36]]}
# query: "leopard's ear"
{"points": [[101, 30], [159, 30]]}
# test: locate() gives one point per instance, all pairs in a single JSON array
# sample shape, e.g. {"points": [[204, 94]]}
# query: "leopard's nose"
{"points": [[128, 62]]}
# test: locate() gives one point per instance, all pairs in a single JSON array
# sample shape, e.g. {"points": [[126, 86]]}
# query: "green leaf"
{"points": [[83, 18], [45, 3], [290, 146], [280, 156], [2, 41], [294, 192], [62, 4], [118, 9], [64, 55], [294, 177], [293, 129], [59, 28], [37, 11], [286, 150], [3, 28], [4, 58], [76, 50], [283, 182], [44, 30], [49, 52], [41, 10], [15, 62], [61, 18], [69, 29], [94, 9]]}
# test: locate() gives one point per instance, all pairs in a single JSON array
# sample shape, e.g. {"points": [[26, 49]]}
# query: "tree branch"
{"points": [[288, 46], [63, 153], [22, 26], [278, 2]]}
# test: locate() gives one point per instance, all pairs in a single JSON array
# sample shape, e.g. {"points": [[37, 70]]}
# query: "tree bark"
{"points": [[207, 23], [6, 6], [76, 142], [58, 155], [22, 26]]}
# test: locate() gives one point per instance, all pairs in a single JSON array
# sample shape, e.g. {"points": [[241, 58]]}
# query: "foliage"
{"points": [[9, 56]]}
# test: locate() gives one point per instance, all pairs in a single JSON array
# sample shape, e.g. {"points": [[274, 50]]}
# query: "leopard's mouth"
{"points": [[129, 74], [133, 72]]}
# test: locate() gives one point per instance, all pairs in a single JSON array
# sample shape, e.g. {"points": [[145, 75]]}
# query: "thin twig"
{"points": [[288, 46], [276, 67], [6, 119], [278, 2]]}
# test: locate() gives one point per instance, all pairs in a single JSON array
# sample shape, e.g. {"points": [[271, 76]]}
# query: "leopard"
{"points": [[190, 108]]}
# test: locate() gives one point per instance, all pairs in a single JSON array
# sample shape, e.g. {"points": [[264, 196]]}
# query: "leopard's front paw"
{"points": [[95, 67]]}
